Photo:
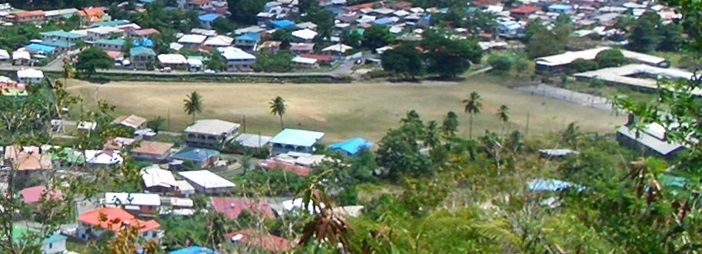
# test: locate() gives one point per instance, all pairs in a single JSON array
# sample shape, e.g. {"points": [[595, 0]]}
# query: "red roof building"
{"points": [[114, 219], [523, 11], [261, 241], [287, 167], [32, 195], [29, 16], [231, 207]]}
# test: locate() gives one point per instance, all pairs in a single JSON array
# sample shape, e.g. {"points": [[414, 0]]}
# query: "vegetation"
{"points": [[278, 62], [377, 36], [244, 11], [278, 107], [91, 59], [404, 60], [610, 58], [541, 41], [473, 105], [447, 57], [192, 105]]}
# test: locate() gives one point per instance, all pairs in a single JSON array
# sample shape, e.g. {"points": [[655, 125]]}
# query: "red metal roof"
{"points": [[32, 195], [25, 14], [524, 10], [264, 241], [288, 167], [114, 218], [232, 207]]}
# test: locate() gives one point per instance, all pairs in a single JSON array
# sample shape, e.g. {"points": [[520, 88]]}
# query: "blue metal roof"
{"points": [[61, 33], [138, 51], [38, 48], [383, 21], [195, 154], [209, 17], [193, 250], [543, 185], [352, 146], [110, 23], [249, 37], [283, 23], [297, 137]]}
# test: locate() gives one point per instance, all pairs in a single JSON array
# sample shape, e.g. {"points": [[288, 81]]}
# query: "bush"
{"points": [[500, 62], [610, 58], [581, 65]]}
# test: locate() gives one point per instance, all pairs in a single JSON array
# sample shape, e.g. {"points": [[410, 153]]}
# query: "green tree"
{"points": [[399, 153], [503, 115], [473, 105], [644, 37], [610, 58], [671, 37], [91, 59], [157, 124], [284, 36], [501, 62], [278, 62], [377, 36], [323, 18], [244, 11], [447, 57], [215, 61], [351, 37], [450, 124], [582, 65], [404, 60], [222, 25], [278, 107], [192, 105]]}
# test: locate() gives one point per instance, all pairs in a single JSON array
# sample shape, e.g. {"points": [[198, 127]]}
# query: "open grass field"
{"points": [[344, 110]]}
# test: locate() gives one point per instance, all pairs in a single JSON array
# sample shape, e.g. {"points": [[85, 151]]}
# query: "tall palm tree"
{"points": [[278, 108], [503, 115], [473, 105], [193, 104]]}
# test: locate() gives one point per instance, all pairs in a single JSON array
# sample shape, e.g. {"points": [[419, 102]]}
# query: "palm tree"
{"points": [[503, 115], [193, 104], [472, 107], [278, 108]]}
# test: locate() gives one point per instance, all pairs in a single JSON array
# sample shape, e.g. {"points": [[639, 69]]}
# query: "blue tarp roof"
{"points": [[283, 23], [193, 250], [38, 48], [543, 185], [352, 146], [145, 42], [249, 37], [209, 17], [195, 154]]}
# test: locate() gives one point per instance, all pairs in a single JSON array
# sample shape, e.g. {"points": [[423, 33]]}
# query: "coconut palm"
{"points": [[193, 104], [278, 108], [473, 105], [503, 115]]}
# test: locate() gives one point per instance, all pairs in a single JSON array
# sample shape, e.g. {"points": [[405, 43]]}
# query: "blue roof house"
{"points": [[207, 19], [201, 157], [283, 24], [193, 250], [510, 30], [247, 40], [351, 147], [36, 48], [560, 8], [294, 140]]}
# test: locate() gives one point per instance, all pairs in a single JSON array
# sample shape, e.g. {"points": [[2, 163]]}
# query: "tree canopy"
{"points": [[91, 59]]}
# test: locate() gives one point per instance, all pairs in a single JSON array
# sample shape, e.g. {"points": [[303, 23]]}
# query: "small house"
{"points": [[54, 244], [142, 58], [109, 44], [207, 19], [30, 76], [192, 41], [247, 40], [135, 203], [152, 151], [294, 140], [25, 17], [173, 61], [304, 35], [207, 182], [210, 133], [157, 180], [103, 158], [301, 48], [231, 207], [237, 59], [93, 223]]}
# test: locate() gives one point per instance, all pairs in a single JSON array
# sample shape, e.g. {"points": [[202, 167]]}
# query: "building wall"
{"points": [[279, 149]]}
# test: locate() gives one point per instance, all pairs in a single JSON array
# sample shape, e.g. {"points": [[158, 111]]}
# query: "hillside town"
{"points": [[95, 164]]}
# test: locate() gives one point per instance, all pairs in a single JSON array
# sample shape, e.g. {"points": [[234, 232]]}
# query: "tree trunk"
{"points": [[470, 126], [281, 121]]}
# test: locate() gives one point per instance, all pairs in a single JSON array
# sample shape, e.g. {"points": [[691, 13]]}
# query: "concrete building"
{"points": [[293, 140], [210, 133]]}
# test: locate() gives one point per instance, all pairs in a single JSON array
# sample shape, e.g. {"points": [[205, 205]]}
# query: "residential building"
{"points": [[152, 151], [103, 32], [523, 12], [219, 41], [30, 76], [271, 47], [192, 41], [60, 14], [60, 36], [304, 62], [231, 207], [560, 8], [274, 164], [251, 141], [139, 204], [301, 48], [560, 62], [142, 58], [337, 50], [93, 223], [93, 15], [207, 182], [211, 133], [109, 44], [237, 59], [207, 19], [304, 35], [199, 157], [651, 141], [33, 195], [148, 32], [351, 147], [283, 24], [254, 241], [21, 57], [131, 121], [247, 40], [25, 17], [510, 30], [321, 59], [103, 158], [54, 244], [173, 61], [293, 140], [157, 180]]}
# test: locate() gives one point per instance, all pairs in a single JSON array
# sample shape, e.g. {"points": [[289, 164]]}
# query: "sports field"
{"points": [[344, 110]]}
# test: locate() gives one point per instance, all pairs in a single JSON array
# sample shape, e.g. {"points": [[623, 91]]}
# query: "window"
{"points": [[51, 245]]}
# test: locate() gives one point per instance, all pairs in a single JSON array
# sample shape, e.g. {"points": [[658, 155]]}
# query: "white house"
{"points": [[337, 49], [210, 132], [30, 76], [192, 40], [207, 182], [158, 180], [304, 62], [293, 140], [219, 41], [304, 35], [138, 203], [103, 158], [237, 59], [173, 61], [21, 57]]}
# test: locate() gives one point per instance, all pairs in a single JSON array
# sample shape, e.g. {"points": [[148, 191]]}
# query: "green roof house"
{"points": [[53, 244]]}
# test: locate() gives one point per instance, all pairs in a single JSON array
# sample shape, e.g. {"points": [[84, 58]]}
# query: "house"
{"points": [[147, 32], [247, 40], [21, 57], [34, 195], [54, 244], [210, 133], [199, 157], [192, 41], [272, 164], [93, 223], [40, 49], [109, 44], [195, 64], [197, 4], [283, 24], [510, 30], [302, 159], [93, 15], [103, 32], [60, 14], [651, 141], [560, 8], [551, 185], [207, 182], [251, 141], [304, 35], [255, 241], [296, 141], [173, 61], [560, 62], [194, 250], [158, 180], [131, 121], [237, 59], [301, 48], [118, 143], [231, 207], [307, 25], [337, 49], [351, 147], [152, 151], [103, 158], [27, 159], [271, 47], [304, 62], [321, 59], [207, 19], [30, 76], [219, 41], [25, 17], [135, 203], [121, 23], [61, 36], [142, 58], [523, 12], [184, 188]]}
